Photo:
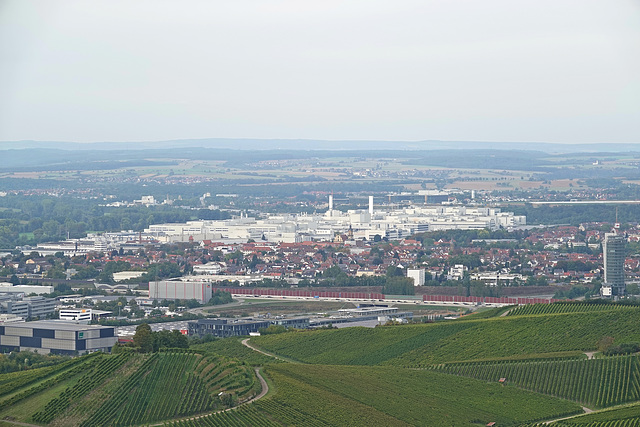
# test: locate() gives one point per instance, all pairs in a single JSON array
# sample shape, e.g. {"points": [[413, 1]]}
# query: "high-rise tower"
{"points": [[613, 252]]}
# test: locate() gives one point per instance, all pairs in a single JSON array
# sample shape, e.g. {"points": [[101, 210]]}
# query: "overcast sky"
{"points": [[490, 70]]}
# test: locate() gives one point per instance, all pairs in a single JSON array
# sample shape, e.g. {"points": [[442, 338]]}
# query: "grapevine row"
{"points": [[596, 382]]}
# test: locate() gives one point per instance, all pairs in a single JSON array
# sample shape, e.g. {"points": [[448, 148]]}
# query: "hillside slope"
{"points": [[423, 345]]}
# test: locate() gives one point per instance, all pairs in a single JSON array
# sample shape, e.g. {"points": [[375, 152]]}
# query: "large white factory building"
{"points": [[362, 224]]}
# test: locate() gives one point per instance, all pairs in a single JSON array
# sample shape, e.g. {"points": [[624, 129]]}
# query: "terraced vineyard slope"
{"points": [[129, 389]]}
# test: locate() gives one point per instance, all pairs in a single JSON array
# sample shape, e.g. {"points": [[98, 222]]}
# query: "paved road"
{"points": [[265, 390], [18, 423], [263, 383], [130, 330]]}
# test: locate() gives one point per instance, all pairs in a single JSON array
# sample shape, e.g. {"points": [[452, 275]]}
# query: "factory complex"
{"points": [[358, 224], [351, 225]]}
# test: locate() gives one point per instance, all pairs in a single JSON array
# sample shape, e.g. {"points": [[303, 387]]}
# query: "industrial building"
{"points": [[360, 224], [179, 289], [10, 288], [367, 311], [56, 337], [613, 252], [293, 322], [225, 328], [27, 307], [75, 314]]}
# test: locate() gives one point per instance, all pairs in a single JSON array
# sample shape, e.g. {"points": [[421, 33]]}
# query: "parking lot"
{"points": [[124, 331]]}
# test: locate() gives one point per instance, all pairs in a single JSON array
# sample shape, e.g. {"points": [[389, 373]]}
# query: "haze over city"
{"points": [[354, 213]]}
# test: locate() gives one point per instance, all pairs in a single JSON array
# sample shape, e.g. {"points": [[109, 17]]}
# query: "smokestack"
{"points": [[371, 205], [330, 202]]}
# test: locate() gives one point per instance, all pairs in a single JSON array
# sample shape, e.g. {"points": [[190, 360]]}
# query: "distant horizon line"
{"points": [[406, 141]]}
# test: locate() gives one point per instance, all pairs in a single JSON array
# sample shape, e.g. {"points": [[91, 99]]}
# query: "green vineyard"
{"points": [[441, 374], [232, 347], [16, 380], [626, 415], [92, 378], [150, 394], [419, 346], [613, 423], [563, 308], [128, 389], [243, 416], [395, 396], [594, 383]]}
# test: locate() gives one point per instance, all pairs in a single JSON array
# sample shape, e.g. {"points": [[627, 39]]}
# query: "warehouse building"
{"points": [[225, 328], [10, 288], [179, 289], [56, 337]]}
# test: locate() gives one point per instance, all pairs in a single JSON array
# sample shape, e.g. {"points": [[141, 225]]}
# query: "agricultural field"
{"points": [[128, 389], [625, 416], [422, 398], [321, 395], [595, 383], [424, 374], [232, 347], [418, 346], [560, 308]]}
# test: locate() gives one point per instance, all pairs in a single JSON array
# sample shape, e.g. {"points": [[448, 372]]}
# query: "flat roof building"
{"points": [[27, 307], [10, 288], [56, 337], [75, 314], [225, 327], [293, 322], [178, 289]]}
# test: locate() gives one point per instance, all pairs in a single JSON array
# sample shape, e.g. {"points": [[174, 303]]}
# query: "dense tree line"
{"points": [[23, 360], [577, 214], [34, 219]]}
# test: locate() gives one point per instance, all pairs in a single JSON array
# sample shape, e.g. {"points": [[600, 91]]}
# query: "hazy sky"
{"points": [[491, 70]]}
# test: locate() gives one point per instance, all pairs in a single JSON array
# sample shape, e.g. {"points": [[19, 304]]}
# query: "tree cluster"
{"points": [[147, 341]]}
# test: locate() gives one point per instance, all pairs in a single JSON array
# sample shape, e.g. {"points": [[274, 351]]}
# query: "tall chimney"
{"points": [[330, 202]]}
